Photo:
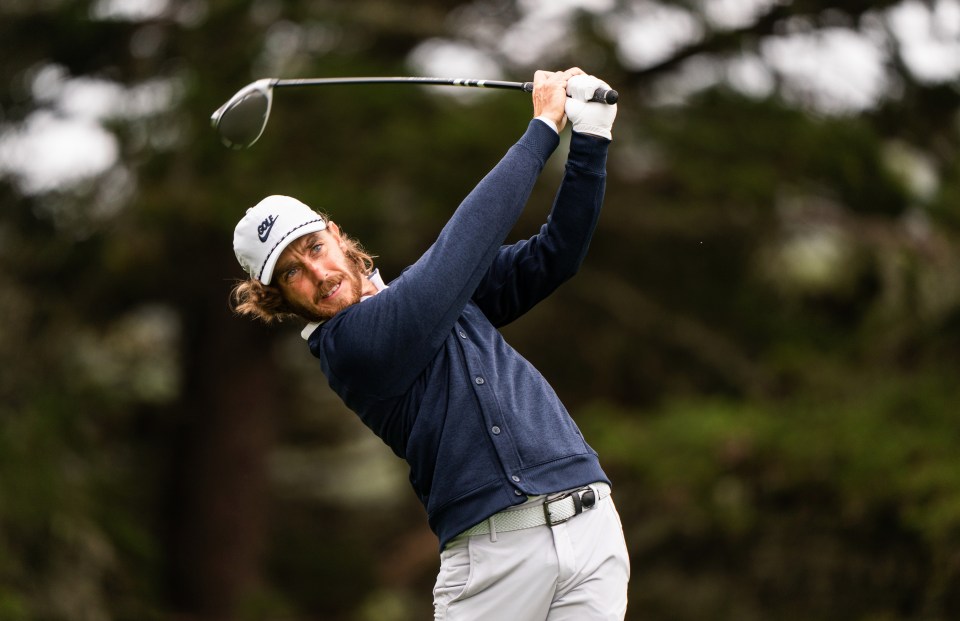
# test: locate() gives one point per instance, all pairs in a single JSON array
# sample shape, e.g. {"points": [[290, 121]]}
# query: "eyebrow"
{"points": [[305, 241]]}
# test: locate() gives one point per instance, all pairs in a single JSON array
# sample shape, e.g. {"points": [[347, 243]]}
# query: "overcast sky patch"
{"points": [[64, 142], [652, 32], [733, 14], [833, 70], [48, 151], [129, 10], [451, 59], [930, 39]]}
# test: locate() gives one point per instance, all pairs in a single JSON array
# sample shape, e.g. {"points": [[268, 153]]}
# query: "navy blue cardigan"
{"points": [[423, 364]]}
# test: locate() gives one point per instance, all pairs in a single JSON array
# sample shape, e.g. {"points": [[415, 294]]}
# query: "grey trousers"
{"points": [[575, 571]]}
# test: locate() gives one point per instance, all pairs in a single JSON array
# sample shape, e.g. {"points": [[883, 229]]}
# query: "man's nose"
{"points": [[318, 270]]}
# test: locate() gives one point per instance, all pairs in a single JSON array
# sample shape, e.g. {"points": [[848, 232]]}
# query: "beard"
{"points": [[320, 312]]}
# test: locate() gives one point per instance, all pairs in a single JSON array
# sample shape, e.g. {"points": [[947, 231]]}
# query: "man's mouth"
{"points": [[333, 291]]}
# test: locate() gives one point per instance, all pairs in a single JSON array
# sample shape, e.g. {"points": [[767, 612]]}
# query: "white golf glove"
{"points": [[589, 117]]}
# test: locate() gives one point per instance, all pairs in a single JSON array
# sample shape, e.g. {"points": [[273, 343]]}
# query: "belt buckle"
{"points": [[583, 498]]}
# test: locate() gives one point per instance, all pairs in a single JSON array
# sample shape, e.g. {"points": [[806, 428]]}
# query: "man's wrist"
{"points": [[549, 122], [594, 130]]}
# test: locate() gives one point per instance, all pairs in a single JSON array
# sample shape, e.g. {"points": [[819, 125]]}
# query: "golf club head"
{"points": [[241, 121]]}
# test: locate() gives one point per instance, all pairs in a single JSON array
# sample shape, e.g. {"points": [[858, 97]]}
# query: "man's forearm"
{"points": [[530, 270]]}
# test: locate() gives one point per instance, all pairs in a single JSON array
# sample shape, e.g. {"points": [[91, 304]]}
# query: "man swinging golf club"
{"points": [[522, 509]]}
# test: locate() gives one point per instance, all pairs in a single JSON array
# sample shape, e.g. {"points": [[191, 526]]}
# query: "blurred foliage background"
{"points": [[763, 345]]}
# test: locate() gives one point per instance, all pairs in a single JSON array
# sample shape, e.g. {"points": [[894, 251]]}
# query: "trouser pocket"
{"points": [[453, 577]]}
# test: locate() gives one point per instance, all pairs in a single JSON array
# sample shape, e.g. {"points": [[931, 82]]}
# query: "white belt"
{"points": [[556, 509]]}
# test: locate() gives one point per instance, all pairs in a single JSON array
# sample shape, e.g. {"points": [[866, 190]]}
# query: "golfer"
{"points": [[522, 509]]}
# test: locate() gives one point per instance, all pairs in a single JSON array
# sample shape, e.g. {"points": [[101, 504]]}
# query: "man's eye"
{"points": [[317, 247], [290, 273]]}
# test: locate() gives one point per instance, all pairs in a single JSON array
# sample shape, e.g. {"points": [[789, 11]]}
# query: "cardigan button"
{"points": [[462, 334], [515, 478], [479, 381], [495, 430]]}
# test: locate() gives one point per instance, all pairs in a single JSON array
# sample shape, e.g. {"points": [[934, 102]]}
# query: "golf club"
{"points": [[242, 119]]}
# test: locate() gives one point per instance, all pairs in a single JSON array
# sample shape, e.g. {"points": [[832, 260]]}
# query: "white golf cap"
{"points": [[269, 227]]}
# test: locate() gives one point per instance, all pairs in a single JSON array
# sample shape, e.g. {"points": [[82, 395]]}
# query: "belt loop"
{"points": [[493, 528]]}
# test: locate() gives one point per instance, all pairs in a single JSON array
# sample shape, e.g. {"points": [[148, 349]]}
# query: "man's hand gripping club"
{"points": [[589, 117], [550, 94], [559, 95]]}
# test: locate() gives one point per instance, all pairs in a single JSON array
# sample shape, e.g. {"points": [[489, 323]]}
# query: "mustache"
{"points": [[326, 288]]}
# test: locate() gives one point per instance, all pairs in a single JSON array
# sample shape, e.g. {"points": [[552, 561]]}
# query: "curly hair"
{"points": [[254, 299]]}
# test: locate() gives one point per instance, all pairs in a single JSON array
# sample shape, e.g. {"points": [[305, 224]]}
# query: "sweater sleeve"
{"points": [[525, 273], [381, 345]]}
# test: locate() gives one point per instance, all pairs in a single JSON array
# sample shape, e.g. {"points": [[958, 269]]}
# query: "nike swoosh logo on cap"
{"points": [[263, 231]]}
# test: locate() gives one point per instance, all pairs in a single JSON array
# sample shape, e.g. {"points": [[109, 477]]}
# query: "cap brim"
{"points": [[266, 274]]}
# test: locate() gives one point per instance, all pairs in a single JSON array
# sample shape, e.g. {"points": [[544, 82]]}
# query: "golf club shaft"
{"points": [[602, 95]]}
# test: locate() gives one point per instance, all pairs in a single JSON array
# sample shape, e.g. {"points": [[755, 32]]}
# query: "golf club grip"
{"points": [[601, 95]]}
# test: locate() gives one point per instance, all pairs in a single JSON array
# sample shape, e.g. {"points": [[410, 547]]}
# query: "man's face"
{"points": [[316, 277]]}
